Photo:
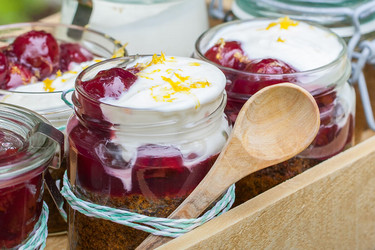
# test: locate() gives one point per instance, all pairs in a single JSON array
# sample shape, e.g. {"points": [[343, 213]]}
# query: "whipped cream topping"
{"points": [[59, 81], [299, 44], [44, 96], [171, 83], [174, 94]]}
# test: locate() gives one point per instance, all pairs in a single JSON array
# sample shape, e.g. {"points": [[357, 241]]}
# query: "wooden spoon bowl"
{"points": [[275, 124]]}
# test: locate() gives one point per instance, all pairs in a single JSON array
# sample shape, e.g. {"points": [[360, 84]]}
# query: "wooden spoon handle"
{"points": [[191, 207]]}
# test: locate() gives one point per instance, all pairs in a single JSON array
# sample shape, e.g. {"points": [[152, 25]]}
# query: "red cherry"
{"points": [[159, 169], [38, 50], [269, 66], [109, 83], [19, 75], [263, 70], [4, 72], [73, 52], [228, 54]]}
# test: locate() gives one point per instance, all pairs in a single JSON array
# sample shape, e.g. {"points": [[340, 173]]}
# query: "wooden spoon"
{"points": [[275, 124]]}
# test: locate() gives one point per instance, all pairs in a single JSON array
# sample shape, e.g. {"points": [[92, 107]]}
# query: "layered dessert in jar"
{"points": [[145, 132], [24, 157], [37, 62], [257, 53]]}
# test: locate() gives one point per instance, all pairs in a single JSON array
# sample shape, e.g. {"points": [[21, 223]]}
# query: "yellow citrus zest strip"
{"points": [[280, 40], [48, 85], [182, 78], [194, 64], [284, 22], [120, 52]]}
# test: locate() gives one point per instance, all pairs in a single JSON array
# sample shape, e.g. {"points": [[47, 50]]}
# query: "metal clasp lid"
{"points": [[56, 135]]}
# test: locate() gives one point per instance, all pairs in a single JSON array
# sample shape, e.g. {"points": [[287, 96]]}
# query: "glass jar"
{"points": [[24, 156], [331, 14], [327, 83], [340, 18], [145, 160], [49, 104], [147, 25]]}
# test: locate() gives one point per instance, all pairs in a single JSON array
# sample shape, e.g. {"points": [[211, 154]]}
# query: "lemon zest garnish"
{"points": [[221, 43], [241, 57], [194, 64], [48, 85], [97, 60], [17, 71], [284, 22], [200, 85], [182, 78], [176, 85], [63, 80], [58, 73], [146, 77], [120, 52], [273, 24], [157, 59], [280, 40], [181, 85]]}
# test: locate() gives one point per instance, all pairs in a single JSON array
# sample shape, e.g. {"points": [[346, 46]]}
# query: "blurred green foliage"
{"points": [[13, 11]]}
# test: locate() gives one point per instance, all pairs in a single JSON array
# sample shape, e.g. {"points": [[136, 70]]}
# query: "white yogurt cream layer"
{"points": [[299, 44], [174, 93], [44, 96], [171, 84]]}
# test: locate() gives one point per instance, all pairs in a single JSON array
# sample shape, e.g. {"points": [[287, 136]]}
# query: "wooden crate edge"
{"points": [[330, 205]]}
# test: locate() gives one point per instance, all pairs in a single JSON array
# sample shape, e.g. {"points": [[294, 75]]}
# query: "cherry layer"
{"points": [[269, 71], [21, 203], [4, 71], [228, 54], [19, 75], [20, 208], [249, 84], [38, 50], [109, 83], [37, 55], [157, 171], [73, 53]]}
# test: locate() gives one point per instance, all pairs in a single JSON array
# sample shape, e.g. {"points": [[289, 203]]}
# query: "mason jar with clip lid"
{"points": [[171, 26], [260, 52], [353, 20], [43, 95], [145, 131], [28, 144]]}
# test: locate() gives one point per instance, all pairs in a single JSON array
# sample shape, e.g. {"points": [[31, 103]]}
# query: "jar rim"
{"points": [[245, 73], [127, 60], [8, 32], [39, 153], [12, 26], [340, 23]]}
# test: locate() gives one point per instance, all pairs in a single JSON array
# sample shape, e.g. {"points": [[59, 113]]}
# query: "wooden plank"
{"points": [[329, 206], [57, 242]]}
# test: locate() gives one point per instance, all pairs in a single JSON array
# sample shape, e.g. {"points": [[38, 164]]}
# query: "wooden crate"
{"points": [[331, 205]]}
